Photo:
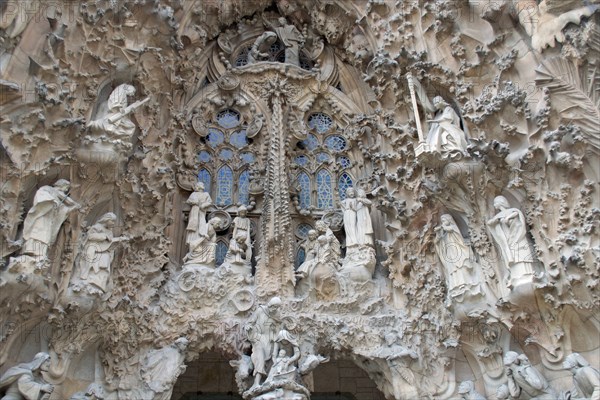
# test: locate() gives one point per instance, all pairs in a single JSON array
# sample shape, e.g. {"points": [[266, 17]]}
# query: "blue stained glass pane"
{"points": [[228, 118], [238, 139], [204, 156], [300, 257], [322, 157], [311, 142], [344, 162], [304, 195], [224, 186], [221, 252], [243, 185], [215, 137], [301, 160], [302, 230], [204, 177], [344, 182], [335, 143], [242, 58], [324, 190], [247, 158], [226, 155], [320, 122]]}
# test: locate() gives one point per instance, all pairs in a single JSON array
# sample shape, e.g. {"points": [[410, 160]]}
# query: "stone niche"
{"points": [[277, 199]]}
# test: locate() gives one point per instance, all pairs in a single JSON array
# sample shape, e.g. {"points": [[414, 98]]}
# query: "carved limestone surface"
{"points": [[286, 199]]}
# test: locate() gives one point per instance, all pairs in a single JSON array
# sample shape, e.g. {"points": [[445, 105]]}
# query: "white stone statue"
{"points": [[261, 330], [524, 380], [203, 250], [161, 368], [357, 221], [51, 207], [98, 253], [509, 229], [240, 245], [310, 250], [284, 368], [25, 381], [586, 379], [454, 254], [200, 202], [467, 391], [291, 38], [116, 124], [333, 242]]}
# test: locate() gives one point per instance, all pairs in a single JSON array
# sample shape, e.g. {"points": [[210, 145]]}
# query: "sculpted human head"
{"points": [[313, 234], [321, 226], [63, 185], [510, 358], [446, 219], [274, 305], [439, 102], [574, 361], [199, 187], [500, 203], [108, 220], [350, 192], [242, 211], [466, 387]]}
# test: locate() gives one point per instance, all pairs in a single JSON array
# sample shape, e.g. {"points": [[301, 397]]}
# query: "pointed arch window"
{"points": [[220, 252], [344, 182], [224, 186], [324, 190], [204, 177], [304, 195], [243, 188], [300, 257]]}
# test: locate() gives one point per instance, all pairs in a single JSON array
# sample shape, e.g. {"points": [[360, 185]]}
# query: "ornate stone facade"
{"points": [[409, 186]]}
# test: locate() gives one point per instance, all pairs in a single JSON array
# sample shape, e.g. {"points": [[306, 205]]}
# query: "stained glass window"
{"points": [[243, 186], [221, 252], [344, 162], [320, 122], [215, 137], [304, 195], [242, 58], [302, 230], [228, 118], [238, 139], [226, 155], [335, 143], [310, 143], [324, 190], [247, 158], [344, 182], [224, 186], [204, 177], [204, 156], [301, 160], [322, 157], [300, 257]]}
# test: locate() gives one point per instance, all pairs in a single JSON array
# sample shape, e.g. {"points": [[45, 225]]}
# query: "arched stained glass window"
{"points": [[228, 118], [304, 195], [243, 186], [226, 155], [344, 182], [324, 190], [311, 142], [300, 257], [221, 252], [320, 122], [215, 137], [204, 177], [322, 157], [204, 156], [302, 230], [224, 186], [247, 158], [343, 162], [335, 143], [301, 160], [239, 139]]}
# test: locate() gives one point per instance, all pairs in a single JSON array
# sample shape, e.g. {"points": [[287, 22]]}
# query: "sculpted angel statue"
{"points": [[524, 379], [357, 221], [25, 381], [51, 207], [200, 202], [99, 252], [116, 124]]}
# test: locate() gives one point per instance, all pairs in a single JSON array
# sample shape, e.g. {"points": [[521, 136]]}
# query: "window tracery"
{"points": [[223, 167], [322, 165]]}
